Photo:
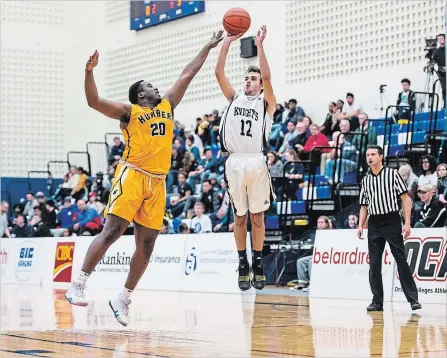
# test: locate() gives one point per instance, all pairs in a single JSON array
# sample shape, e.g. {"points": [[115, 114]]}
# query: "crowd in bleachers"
{"points": [[197, 198]]}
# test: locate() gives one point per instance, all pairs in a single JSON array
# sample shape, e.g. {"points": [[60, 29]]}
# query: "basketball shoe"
{"points": [[258, 280], [75, 294], [244, 276], [120, 308]]}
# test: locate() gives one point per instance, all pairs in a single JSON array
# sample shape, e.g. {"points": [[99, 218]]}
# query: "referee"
{"points": [[379, 193]]}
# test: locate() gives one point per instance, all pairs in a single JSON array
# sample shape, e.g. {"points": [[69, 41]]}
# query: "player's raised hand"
{"points": [[215, 39], [230, 38], [262, 32], [92, 61]]}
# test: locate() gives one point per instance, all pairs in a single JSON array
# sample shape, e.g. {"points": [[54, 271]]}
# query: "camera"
{"points": [[430, 48]]}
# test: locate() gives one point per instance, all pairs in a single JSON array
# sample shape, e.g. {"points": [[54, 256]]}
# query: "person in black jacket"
{"points": [[406, 101], [433, 213]]}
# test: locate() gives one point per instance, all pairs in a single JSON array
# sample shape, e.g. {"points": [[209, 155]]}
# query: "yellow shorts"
{"points": [[138, 197]]}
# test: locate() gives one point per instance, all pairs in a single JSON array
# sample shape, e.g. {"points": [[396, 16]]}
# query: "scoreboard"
{"points": [[144, 13]]}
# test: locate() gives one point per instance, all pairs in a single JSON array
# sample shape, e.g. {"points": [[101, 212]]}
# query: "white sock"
{"points": [[83, 277], [125, 294]]}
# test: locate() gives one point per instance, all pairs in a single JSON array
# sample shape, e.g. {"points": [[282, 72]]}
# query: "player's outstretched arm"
{"points": [[108, 108], [176, 93], [225, 85], [269, 95]]}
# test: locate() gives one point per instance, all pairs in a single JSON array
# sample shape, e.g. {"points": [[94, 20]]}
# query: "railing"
{"points": [[79, 159], [40, 174], [99, 157], [58, 168]]}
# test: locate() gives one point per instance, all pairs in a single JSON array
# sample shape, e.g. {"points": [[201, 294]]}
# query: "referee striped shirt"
{"points": [[380, 193]]}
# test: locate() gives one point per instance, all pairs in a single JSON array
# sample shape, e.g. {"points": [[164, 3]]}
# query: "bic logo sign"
{"points": [[26, 261], [427, 258], [191, 262], [63, 262]]}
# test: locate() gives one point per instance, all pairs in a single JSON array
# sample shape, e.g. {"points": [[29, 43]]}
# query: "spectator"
{"points": [[201, 223], [220, 217], [307, 121], [433, 213], [87, 220], [344, 159], [276, 170], [67, 217], [80, 190], [37, 227], [345, 128], [331, 124], [94, 203], [206, 166], [4, 229], [428, 171], [316, 139], [50, 217], [176, 165], [406, 102], [183, 228], [293, 112], [209, 198], [184, 191], [353, 221], [29, 207], [193, 141], [116, 152], [289, 138], [304, 264], [293, 174], [20, 229], [442, 182], [369, 137], [410, 179], [101, 186], [351, 110], [301, 136]]}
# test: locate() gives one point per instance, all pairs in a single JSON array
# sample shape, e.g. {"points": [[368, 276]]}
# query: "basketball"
{"points": [[236, 21]]}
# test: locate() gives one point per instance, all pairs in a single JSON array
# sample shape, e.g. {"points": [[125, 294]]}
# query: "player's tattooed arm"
{"points": [[265, 72], [109, 108], [224, 84], [176, 93]]}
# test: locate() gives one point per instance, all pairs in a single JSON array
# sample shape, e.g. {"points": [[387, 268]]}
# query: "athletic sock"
{"points": [[257, 255], [83, 276], [125, 294], [242, 256]]}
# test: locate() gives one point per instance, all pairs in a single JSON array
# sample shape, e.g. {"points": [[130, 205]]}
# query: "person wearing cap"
{"points": [[94, 203], [66, 217], [433, 213]]}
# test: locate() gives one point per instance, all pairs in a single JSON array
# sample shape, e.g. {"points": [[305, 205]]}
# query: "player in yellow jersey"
{"points": [[138, 192]]}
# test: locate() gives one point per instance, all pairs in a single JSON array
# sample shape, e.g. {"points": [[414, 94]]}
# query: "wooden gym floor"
{"points": [[39, 322]]}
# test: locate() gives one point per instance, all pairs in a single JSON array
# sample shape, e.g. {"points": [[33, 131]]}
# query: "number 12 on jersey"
{"points": [[246, 128], [158, 129]]}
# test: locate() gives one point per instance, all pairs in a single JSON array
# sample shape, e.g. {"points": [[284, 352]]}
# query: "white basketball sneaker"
{"points": [[120, 308], [75, 294]]}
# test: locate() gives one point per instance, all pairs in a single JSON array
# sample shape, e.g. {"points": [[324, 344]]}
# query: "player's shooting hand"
{"points": [[260, 37], [92, 61], [215, 39], [230, 38]]}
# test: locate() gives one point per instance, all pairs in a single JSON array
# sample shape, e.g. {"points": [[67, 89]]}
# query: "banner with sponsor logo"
{"points": [[211, 263], [427, 256], [27, 260], [340, 266], [63, 261]]}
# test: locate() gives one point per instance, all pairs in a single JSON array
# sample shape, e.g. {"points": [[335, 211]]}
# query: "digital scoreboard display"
{"points": [[144, 13]]}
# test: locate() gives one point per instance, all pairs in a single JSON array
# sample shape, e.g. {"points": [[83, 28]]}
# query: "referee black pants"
{"points": [[382, 229]]}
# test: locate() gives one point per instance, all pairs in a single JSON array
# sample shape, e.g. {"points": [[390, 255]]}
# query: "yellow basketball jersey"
{"points": [[149, 136]]}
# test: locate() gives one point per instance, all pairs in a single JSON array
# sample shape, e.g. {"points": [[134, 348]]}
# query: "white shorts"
{"points": [[249, 184]]}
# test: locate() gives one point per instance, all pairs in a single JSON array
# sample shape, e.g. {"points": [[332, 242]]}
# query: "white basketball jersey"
{"points": [[246, 125]]}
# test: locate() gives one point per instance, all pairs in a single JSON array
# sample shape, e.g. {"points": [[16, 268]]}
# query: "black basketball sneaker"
{"points": [[258, 280], [244, 276]]}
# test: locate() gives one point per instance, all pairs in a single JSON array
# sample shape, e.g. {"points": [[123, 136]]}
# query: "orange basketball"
{"points": [[236, 21]]}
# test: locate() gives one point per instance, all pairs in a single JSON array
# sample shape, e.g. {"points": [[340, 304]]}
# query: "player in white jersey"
{"points": [[244, 131]]}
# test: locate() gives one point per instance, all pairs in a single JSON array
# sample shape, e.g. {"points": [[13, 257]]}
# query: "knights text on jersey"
{"points": [[246, 125]]}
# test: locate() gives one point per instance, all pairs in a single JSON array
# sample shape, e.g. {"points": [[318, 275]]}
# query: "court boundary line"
{"points": [[84, 346]]}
